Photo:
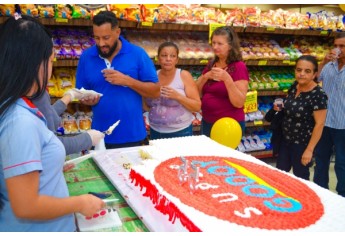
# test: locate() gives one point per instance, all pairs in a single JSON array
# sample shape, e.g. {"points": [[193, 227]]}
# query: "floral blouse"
{"points": [[298, 121]]}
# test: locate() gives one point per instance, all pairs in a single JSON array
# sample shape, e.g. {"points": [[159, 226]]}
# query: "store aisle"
{"points": [[332, 177]]}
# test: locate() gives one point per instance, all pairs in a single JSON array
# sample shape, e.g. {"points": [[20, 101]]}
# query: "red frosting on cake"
{"points": [[237, 191]]}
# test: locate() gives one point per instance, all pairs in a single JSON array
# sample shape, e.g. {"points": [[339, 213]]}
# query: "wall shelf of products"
{"points": [[171, 27], [191, 62], [261, 154], [184, 27]]}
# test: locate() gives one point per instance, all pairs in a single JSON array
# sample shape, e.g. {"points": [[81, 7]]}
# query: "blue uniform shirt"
{"points": [[26, 145]]}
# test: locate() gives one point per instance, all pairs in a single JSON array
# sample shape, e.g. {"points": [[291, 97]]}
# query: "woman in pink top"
{"points": [[170, 115], [223, 84]]}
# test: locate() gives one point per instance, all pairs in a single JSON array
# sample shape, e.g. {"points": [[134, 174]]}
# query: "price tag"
{"points": [[324, 32], [212, 27], [204, 61], [258, 122], [262, 63], [292, 63], [286, 61], [149, 24], [251, 103], [61, 20], [270, 29]]}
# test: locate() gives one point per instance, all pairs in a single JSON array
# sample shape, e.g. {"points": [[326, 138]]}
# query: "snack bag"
{"points": [[235, 17], [7, 9], [118, 10], [46, 11], [80, 12], [63, 11], [133, 13], [167, 13], [29, 9], [149, 14], [340, 23], [252, 16]]}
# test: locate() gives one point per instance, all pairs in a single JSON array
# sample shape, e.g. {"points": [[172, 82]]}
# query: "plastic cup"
{"points": [[279, 103], [336, 52]]}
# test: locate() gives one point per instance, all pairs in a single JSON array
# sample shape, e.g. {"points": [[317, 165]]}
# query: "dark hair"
{"points": [[312, 60], [340, 35], [167, 44], [24, 45], [233, 40], [105, 17]]}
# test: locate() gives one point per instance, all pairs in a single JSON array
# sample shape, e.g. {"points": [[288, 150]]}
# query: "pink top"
{"points": [[215, 100]]}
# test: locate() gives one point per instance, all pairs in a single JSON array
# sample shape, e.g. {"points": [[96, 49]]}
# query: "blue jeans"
{"points": [[290, 156], [206, 127], [185, 132], [331, 138]]}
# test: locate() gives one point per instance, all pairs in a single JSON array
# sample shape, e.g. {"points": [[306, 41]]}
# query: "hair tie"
{"points": [[17, 16]]}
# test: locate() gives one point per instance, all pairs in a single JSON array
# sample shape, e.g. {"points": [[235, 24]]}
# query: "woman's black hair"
{"points": [[312, 60], [233, 40], [25, 45], [167, 44]]}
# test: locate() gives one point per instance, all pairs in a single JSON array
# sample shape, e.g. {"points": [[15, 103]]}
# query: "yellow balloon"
{"points": [[227, 131]]}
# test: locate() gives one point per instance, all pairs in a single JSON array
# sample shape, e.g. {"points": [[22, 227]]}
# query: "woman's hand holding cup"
{"points": [[278, 104]]}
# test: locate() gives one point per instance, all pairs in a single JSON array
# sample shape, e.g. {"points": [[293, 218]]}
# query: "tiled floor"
{"points": [[332, 177]]}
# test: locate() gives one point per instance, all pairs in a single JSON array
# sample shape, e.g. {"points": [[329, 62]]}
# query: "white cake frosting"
{"points": [[200, 145], [160, 150]]}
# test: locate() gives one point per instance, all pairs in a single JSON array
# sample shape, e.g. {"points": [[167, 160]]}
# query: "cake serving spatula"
{"points": [[111, 128]]}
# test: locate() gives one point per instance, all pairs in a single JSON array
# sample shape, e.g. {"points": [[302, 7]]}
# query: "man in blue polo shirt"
{"points": [[123, 73], [333, 136]]}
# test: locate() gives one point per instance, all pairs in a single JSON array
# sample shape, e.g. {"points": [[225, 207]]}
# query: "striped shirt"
{"points": [[333, 83]]}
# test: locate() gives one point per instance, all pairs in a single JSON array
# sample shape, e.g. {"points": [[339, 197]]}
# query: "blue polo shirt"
{"points": [[27, 145], [118, 102]]}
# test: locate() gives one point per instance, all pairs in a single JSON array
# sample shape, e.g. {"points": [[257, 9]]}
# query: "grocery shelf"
{"points": [[66, 63], [256, 123], [274, 30], [190, 62], [269, 62], [75, 22], [184, 27], [261, 154], [271, 93], [172, 26]]}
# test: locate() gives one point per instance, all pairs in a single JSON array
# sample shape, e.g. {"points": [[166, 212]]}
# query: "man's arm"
{"points": [[145, 89]]}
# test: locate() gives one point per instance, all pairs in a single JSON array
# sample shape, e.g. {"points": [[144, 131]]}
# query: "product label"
{"points": [[251, 103], [149, 24]]}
